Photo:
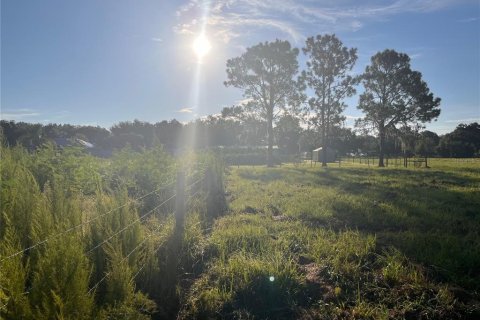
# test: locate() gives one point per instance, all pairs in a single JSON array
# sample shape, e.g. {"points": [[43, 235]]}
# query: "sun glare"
{"points": [[201, 46]]}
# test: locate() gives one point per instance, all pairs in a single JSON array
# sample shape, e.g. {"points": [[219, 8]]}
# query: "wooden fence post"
{"points": [[209, 191], [180, 201], [216, 203]]}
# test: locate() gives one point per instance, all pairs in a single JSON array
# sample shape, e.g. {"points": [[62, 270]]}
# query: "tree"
{"points": [[328, 67], [394, 95], [251, 123], [138, 133], [343, 140], [427, 144], [265, 73], [288, 132], [168, 133], [463, 142]]}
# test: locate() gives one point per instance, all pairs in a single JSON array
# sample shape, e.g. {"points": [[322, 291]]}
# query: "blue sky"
{"points": [[101, 62]]}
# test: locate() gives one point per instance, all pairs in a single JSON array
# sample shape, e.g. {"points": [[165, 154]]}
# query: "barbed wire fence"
{"points": [[199, 183]]}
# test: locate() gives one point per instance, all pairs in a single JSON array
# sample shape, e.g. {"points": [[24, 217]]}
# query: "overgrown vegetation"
{"points": [[74, 242]]}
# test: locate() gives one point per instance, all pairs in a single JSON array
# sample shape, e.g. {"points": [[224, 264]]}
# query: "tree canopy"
{"points": [[394, 95], [267, 74]]}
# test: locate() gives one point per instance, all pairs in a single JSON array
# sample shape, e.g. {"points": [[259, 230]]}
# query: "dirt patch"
{"points": [[281, 218], [317, 287]]}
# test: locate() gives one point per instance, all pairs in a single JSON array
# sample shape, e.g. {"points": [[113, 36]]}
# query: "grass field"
{"points": [[349, 242]]}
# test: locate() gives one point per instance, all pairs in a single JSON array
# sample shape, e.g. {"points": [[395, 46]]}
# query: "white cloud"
{"points": [[243, 101], [155, 39], [356, 25], [185, 110]]}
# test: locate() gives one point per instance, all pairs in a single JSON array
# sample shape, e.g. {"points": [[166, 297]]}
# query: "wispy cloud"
{"points": [[28, 114], [155, 39], [185, 110], [229, 19], [463, 120], [417, 55], [18, 114], [467, 20]]}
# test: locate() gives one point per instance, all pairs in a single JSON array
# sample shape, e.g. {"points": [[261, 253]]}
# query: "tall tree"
{"points": [[288, 132], [394, 95], [266, 73], [328, 66]]}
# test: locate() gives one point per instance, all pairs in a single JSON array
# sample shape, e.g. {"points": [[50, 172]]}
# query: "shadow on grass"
{"points": [[432, 216], [439, 226], [162, 289]]}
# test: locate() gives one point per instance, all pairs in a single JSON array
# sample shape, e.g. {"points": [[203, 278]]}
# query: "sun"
{"points": [[201, 46]]}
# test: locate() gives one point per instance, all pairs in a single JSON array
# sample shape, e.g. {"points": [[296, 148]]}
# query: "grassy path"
{"points": [[347, 243]]}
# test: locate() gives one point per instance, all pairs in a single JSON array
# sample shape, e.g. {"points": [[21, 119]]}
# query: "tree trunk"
{"points": [[381, 132], [324, 153], [270, 138], [327, 142]]}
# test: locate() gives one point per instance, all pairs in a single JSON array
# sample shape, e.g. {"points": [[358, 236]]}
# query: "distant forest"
{"points": [[229, 131]]}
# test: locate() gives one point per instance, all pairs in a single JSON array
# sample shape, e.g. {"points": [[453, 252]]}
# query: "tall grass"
{"points": [[108, 265]]}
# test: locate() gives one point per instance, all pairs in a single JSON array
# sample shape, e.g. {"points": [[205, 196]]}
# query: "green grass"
{"points": [[353, 242]]}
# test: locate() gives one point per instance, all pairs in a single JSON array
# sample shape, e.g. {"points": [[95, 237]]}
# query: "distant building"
{"points": [[317, 154], [70, 142], [84, 143]]}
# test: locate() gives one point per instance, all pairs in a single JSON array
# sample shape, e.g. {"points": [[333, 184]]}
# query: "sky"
{"points": [[95, 62]]}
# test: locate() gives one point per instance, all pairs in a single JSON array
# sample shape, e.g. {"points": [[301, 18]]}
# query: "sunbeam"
{"points": [[201, 47]]}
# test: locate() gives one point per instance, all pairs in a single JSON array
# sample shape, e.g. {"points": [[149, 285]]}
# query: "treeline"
{"points": [[226, 130], [139, 135]]}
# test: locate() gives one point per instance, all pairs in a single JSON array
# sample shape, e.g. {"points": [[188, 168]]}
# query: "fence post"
{"points": [[180, 201], [216, 203], [209, 190]]}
